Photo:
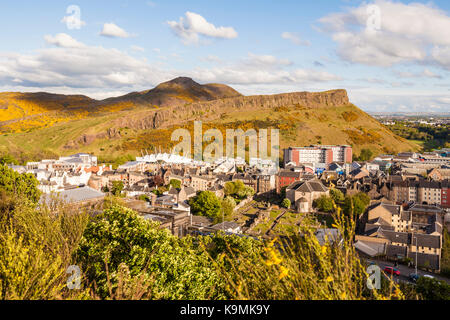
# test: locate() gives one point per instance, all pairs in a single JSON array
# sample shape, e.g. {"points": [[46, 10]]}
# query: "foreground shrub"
{"points": [[170, 267]]}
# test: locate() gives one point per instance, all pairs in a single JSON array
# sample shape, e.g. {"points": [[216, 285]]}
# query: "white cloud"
{"points": [[191, 27], [137, 48], [266, 61], [74, 20], [426, 73], [82, 66], [406, 33], [262, 70], [295, 38], [63, 40], [114, 31]]}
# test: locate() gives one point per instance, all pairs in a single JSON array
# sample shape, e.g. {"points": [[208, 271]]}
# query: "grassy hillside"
{"points": [[21, 112], [299, 126]]}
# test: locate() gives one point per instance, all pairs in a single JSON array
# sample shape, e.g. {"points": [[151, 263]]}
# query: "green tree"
{"points": [[205, 204], [16, 184], [324, 203], [445, 261], [360, 203], [175, 183], [366, 155], [170, 268], [337, 196], [117, 188], [286, 203], [433, 289], [228, 205], [229, 188], [8, 159], [238, 190]]}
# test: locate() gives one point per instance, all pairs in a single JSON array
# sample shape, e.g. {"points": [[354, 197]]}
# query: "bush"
{"points": [[432, 289], [16, 184], [324, 203], [36, 247], [205, 204], [286, 203], [121, 242], [238, 190]]}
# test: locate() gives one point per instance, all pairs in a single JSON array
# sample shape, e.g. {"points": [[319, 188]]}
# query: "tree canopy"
{"points": [[120, 239], [205, 204], [238, 190], [14, 183]]}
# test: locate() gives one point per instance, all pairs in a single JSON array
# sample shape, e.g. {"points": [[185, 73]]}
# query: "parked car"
{"points": [[414, 277], [392, 271], [428, 276]]}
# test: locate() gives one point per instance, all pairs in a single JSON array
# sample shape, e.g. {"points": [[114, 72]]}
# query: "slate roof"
{"points": [[426, 240], [394, 251], [398, 237], [78, 195], [226, 225], [308, 186]]}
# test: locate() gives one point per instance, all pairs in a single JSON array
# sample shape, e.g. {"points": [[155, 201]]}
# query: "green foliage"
{"points": [[360, 203], [172, 268], [433, 289], [238, 190], [430, 136], [228, 205], [8, 159], [286, 203], [175, 183], [36, 246], [117, 187], [445, 261], [337, 196], [324, 204], [19, 184], [205, 204], [365, 155], [116, 162], [356, 205]]}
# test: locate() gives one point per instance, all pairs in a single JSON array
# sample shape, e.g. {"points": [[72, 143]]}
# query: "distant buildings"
{"points": [[318, 154], [303, 193], [398, 233]]}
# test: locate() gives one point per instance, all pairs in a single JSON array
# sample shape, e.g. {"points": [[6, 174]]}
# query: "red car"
{"points": [[392, 271]]}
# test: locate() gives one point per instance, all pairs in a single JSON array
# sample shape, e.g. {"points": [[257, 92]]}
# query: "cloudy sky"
{"points": [[389, 55]]}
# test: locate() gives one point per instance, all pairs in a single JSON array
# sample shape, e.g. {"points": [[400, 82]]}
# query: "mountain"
{"points": [[178, 92], [24, 111], [124, 125]]}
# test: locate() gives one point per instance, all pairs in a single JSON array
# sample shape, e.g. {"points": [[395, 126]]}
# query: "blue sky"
{"points": [[389, 55]]}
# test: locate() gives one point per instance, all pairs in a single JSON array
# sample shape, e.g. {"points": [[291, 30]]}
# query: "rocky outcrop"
{"points": [[154, 119], [213, 110]]}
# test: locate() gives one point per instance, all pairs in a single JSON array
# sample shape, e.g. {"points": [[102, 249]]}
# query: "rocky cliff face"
{"points": [[213, 110]]}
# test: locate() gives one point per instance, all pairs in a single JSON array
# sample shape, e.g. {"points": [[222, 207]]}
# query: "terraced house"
{"points": [[414, 234], [420, 191]]}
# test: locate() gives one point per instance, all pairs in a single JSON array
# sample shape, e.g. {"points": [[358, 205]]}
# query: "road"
{"points": [[405, 272]]}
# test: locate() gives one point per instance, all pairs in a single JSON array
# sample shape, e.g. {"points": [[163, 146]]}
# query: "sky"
{"points": [[389, 55]]}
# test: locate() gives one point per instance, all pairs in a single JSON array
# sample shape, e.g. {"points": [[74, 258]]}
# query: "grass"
{"points": [[37, 246], [295, 127]]}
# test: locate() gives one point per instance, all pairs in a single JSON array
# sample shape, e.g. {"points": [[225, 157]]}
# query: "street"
{"points": [[405, 272]]}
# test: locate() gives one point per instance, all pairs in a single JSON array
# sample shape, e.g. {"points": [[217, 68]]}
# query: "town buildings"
{"points": [[318, 154], [413, 233]]}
